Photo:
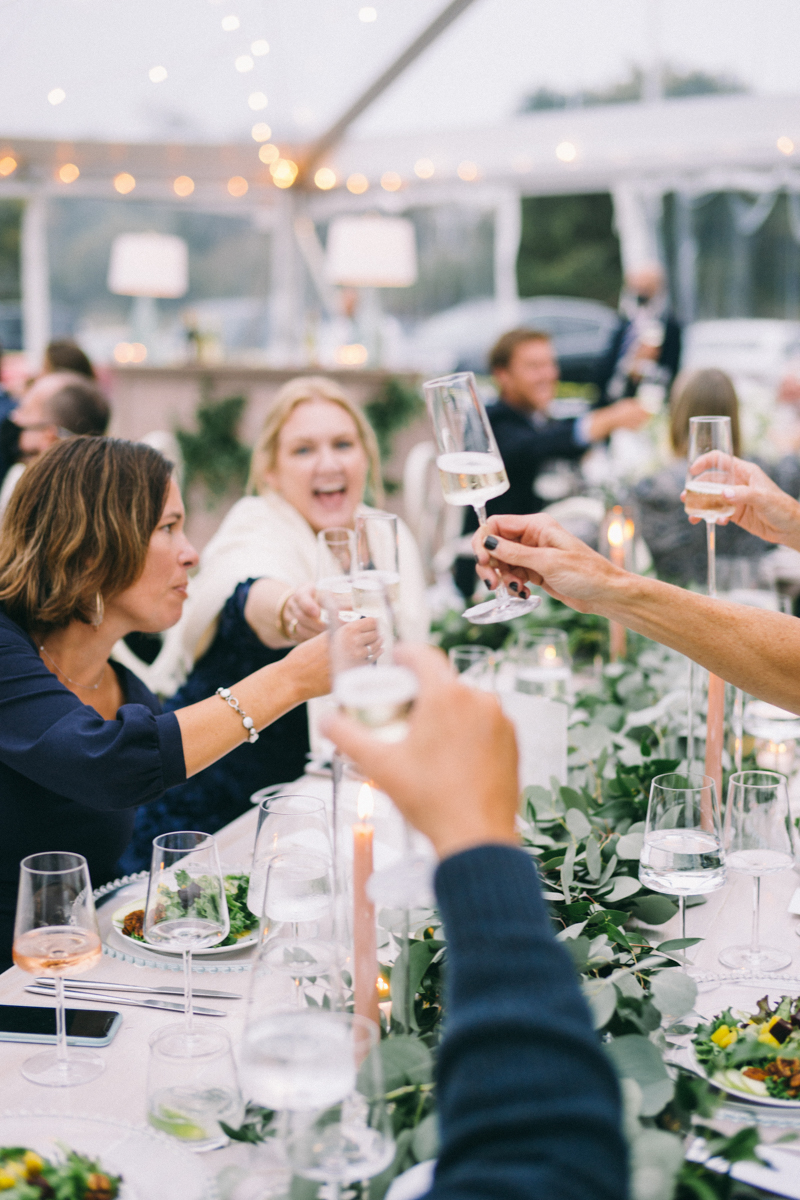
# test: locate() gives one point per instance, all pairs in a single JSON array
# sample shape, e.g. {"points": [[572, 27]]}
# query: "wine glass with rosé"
{"points": [[709, 472], [56, 934]]}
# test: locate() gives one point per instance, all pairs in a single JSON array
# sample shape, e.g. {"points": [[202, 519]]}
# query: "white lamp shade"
{"points": [[148, 264], [371, 251]]}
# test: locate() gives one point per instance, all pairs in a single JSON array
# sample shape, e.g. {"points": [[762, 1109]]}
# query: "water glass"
{"points": [[303, 1060], [475, 665], [298, 933], [192, 1086], [286, 824], [682, 853], [758, 842]]}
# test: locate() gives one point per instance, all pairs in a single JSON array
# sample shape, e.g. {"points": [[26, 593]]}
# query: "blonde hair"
{"points": [[705, 393], [301, 391]]}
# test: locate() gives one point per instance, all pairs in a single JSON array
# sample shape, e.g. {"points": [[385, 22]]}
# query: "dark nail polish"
{"points": [[513, 586], [490, 542]]}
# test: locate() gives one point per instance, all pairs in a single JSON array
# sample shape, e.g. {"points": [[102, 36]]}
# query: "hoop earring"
{"points": [[99, 611]]}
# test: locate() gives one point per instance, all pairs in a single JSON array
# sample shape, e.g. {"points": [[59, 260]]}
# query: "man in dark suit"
{"points": [[645, 352]]}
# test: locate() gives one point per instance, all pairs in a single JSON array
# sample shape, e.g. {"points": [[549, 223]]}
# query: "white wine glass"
{"points": [[286, 824], [186, 907], [471, 470], [56, 934], [709, 471], [682, 854], [298, 930], [758, 842]]}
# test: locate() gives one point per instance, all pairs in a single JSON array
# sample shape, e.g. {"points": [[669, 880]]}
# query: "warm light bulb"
{"points": [[56, 96], [550, 652], [630, 529], [230, 24], [566, 152], [122, 352], [138, 352], [157, 74], [259, 47], [269, 153], [261, 131], [257, 101], [357, 184], [244, 63], [785, 145], [67, 173], [365, 805], [284, 172], [467, 171], [325, 179], [616, 535], [237, 186], [183, 185], [391, 181], [423, 167], [354, 355], [8, 166], [124, 183]]}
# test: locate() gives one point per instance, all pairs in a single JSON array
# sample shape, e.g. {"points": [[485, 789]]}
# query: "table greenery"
{"points": [[628, 724]]}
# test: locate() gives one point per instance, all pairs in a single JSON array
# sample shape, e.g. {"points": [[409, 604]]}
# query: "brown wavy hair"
{"points": [[702, 393], [78, 526]]}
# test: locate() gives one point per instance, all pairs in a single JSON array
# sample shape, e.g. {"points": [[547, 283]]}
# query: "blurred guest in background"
{"points": [[62, 354], [253, 597], [9, 433], [55, 406], [646, 348], [678, 547]]}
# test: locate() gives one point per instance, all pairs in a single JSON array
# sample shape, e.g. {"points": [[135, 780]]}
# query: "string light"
{"points": [[785, 145], [244, 63], [357, 184], [354, 355], [261, 131], [67, 173], [183, 185], [284, 172], [325, 179], [56, 96], [367, 14], [237, 186], [424, 168], [8, 166], [130, 352], [157, 74], [124, 183], [230, 24], [259, 47], [391, 181], [257, 101], [467, 171], [269, 153], [566, 152]]}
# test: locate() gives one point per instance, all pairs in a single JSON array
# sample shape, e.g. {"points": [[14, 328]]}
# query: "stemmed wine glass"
{"points": [[758, 841], [378, 552], [56, 934], [186, 907], [336, 562], [710, 439], [682, 853], [298, 938], [286, 824], [471, 470]]}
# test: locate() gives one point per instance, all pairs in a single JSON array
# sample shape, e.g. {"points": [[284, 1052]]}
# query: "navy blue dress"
{"points": [[220, 793], [70, 780]]}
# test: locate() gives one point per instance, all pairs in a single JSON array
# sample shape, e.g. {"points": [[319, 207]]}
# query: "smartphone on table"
{"points": [[85, 1027]]}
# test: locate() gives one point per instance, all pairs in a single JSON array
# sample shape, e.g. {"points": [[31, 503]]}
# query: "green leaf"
{"points": [[624, 886], [572, 799], [630, 845], [635, 1057], [410, 967], [601, 996], [594, 861], [566, 872], [578, 824], [678, 944], [673, 992], [405, 1060], [654, 910], [542, 802], [656, 1159], [425, 1142]]}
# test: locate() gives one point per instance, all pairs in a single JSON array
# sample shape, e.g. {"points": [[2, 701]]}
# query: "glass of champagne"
{"points": [[682, 853], [709, 471], [336, 562], [186, 907], [377, 550], [56, 934], [471, 470], [758, 842]]}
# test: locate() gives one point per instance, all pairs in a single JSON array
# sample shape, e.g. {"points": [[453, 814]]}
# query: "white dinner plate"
{"points": [[119, 915], [150, 1163]]}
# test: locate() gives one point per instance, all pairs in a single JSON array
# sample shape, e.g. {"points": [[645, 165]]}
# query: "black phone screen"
{"points": [[81, 1022]]}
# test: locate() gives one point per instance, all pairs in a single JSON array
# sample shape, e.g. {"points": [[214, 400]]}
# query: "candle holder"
{"points": [[776, 732], [543, 665], [616, 541]]}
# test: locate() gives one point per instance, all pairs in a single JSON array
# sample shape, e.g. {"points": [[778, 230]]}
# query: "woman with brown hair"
{"points": [[92, 547], [254, 598]]}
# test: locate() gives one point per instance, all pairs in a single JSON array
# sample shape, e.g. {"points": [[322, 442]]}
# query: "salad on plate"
{"points": [[26, 1175], [755, 1054], [129, 920]]}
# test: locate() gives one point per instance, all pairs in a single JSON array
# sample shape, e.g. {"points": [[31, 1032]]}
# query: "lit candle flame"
{"points": [[382, 986], [550, 652], [616, 535], [365, 804], [629, 530]]}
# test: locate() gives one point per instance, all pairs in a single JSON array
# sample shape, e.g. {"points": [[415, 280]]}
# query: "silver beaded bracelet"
{"points": [[233, 703]]}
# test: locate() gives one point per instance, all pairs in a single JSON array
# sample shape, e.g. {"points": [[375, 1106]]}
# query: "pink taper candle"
{"points": [[365, 950], [616, 549], [714, 736]]}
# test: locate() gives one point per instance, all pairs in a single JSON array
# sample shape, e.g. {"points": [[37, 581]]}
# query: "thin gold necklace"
{"points": [[87, 687]]}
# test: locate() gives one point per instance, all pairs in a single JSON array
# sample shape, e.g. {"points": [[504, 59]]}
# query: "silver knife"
{"points": [[102, 985], [143, 1003]]}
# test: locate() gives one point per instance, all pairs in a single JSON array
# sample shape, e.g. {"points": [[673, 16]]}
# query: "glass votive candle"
{"points": [[475, 664], [192, 1086], [775, 731], [543, 667]]}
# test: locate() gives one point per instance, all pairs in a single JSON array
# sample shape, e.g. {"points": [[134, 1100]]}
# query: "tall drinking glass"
{"points": [[682, 853], [286, 824], [471, 470], [709, 471], [186, 907], [336, 562], [56, 934], [758, 842], [298, 933], [378, 552]]}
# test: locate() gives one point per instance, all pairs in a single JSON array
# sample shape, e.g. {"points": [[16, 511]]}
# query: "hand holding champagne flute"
{"points": [[709, 473], [56, 934]]}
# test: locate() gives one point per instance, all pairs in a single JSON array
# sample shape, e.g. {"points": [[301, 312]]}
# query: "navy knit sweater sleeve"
{"points": [[528, 1103]]}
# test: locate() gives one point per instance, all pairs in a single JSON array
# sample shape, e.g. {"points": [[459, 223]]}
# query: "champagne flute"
{"points": [[710, 440], [758, 841], [682, 853], [186, 907], [336, 562], [56, 934], [471, 470], [377, 550]]}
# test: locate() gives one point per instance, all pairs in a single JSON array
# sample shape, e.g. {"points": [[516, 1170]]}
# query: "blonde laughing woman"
{"points": [[253, 596]]}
